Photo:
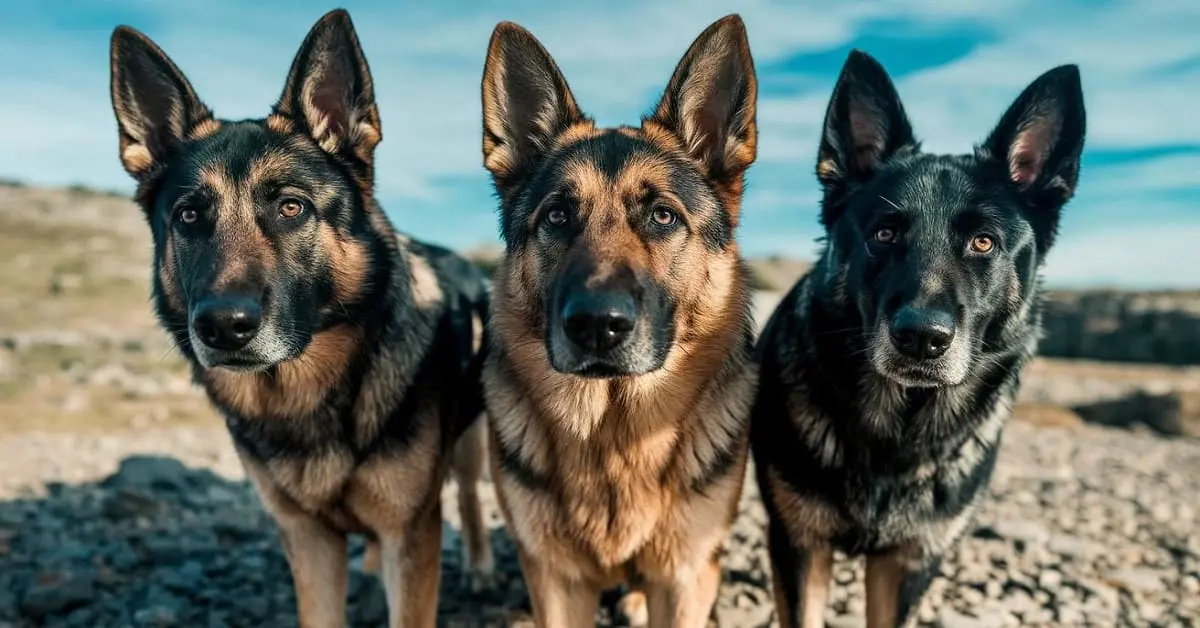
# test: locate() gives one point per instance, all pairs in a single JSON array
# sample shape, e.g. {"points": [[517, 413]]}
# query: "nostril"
{"points": [[578, 323], [243, 327], [619, 323], [904, 337]]}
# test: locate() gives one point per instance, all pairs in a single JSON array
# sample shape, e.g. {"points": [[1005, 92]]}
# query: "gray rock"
{"points": [[953, 619], [156, 617], [149, 472], [1027, 532], [1136, 579], [1075, 547], [56, 592]]}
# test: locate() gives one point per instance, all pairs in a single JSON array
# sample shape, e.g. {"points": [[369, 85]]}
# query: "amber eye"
{"points": [[290, 208], [885, 235], [663, 216], [188, 216], [982, 244]]}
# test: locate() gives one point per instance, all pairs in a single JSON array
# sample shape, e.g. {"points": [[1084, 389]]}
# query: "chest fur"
{"points": [[377, 493]]}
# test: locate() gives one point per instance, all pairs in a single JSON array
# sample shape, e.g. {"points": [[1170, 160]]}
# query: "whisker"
{"points": [[890, 202]]}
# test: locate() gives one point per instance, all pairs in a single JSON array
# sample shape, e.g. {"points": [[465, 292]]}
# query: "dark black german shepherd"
{"points": [[889, 371], [345, 358]]}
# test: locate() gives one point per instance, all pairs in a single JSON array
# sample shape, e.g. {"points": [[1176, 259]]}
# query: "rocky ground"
{"points": [[156, 527]]}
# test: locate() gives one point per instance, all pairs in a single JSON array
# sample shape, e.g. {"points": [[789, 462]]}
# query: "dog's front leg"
{"points": [[316, 555], [800, 577], [558, 600], [896, 583], [687, 601], [410, 566]]}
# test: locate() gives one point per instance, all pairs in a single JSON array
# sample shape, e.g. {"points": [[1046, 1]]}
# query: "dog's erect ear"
{"points": [[865, 124], [329, 90], [156, 107], [711, 100], [526, 103], [1040, 138]]}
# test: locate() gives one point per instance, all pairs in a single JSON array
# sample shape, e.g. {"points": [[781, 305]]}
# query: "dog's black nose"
{"points": [[922, 334], [227, 323], [599, 321]]}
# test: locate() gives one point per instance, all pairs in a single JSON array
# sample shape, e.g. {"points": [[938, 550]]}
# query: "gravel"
{"points": [[158, 527]]}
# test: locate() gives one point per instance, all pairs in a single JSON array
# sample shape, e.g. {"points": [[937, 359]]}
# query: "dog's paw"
{"points": [[631, 610]]}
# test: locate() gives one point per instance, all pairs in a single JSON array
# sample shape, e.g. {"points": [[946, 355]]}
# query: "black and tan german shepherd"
{"points": [[889, 371], [345, 357], [620, 381]]}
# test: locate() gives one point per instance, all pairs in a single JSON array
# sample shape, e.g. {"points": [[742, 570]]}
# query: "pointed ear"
{"points": [[865, 124], [1040, 138], [526, 102], [711, 100], [156, 107], [329, 92]]}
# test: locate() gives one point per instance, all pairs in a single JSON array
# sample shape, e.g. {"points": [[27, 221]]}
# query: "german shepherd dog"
{"points": [[346, 358], [619, 382], [889, 371]]}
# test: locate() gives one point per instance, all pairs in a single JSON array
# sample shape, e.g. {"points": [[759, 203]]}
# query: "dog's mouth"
{"points": [[239, 364], [593, 369], [603, 335], [948, 369], [267, 350], [914, 374], [630, 361]]}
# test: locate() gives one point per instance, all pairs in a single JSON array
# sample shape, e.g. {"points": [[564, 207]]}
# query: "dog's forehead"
{"points": [[622, 164], [245, 155], [932, 186]]}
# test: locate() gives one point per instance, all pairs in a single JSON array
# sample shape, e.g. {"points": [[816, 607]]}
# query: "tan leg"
{"points": [[317, 556], [470, 455], [410, 567], [687, 602], [896, 584], [558, 602], [800, 579]]}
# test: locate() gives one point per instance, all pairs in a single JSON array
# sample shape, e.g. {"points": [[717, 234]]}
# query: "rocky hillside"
{"points": [[1159, 327]]}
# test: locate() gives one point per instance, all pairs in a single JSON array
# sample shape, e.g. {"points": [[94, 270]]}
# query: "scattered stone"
{"points": [[1075, 547], [1021, 532], [56, 592], [180, 539], [1137, 580], [153, 472]]}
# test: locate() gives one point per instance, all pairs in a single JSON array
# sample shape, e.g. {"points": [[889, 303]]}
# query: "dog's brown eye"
{"points": [[290, 208], [982, 244], [188, 216], [663, 216], [556, 217], [885, 235]]}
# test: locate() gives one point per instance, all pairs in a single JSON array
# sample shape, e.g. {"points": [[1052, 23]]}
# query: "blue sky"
{"points": [[957, 64]]}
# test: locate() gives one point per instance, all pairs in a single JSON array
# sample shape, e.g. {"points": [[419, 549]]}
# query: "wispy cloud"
{"points": [[957, 64]]}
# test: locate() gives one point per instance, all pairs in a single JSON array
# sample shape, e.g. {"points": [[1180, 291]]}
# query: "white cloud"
{"points": [[1153, 256]]}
